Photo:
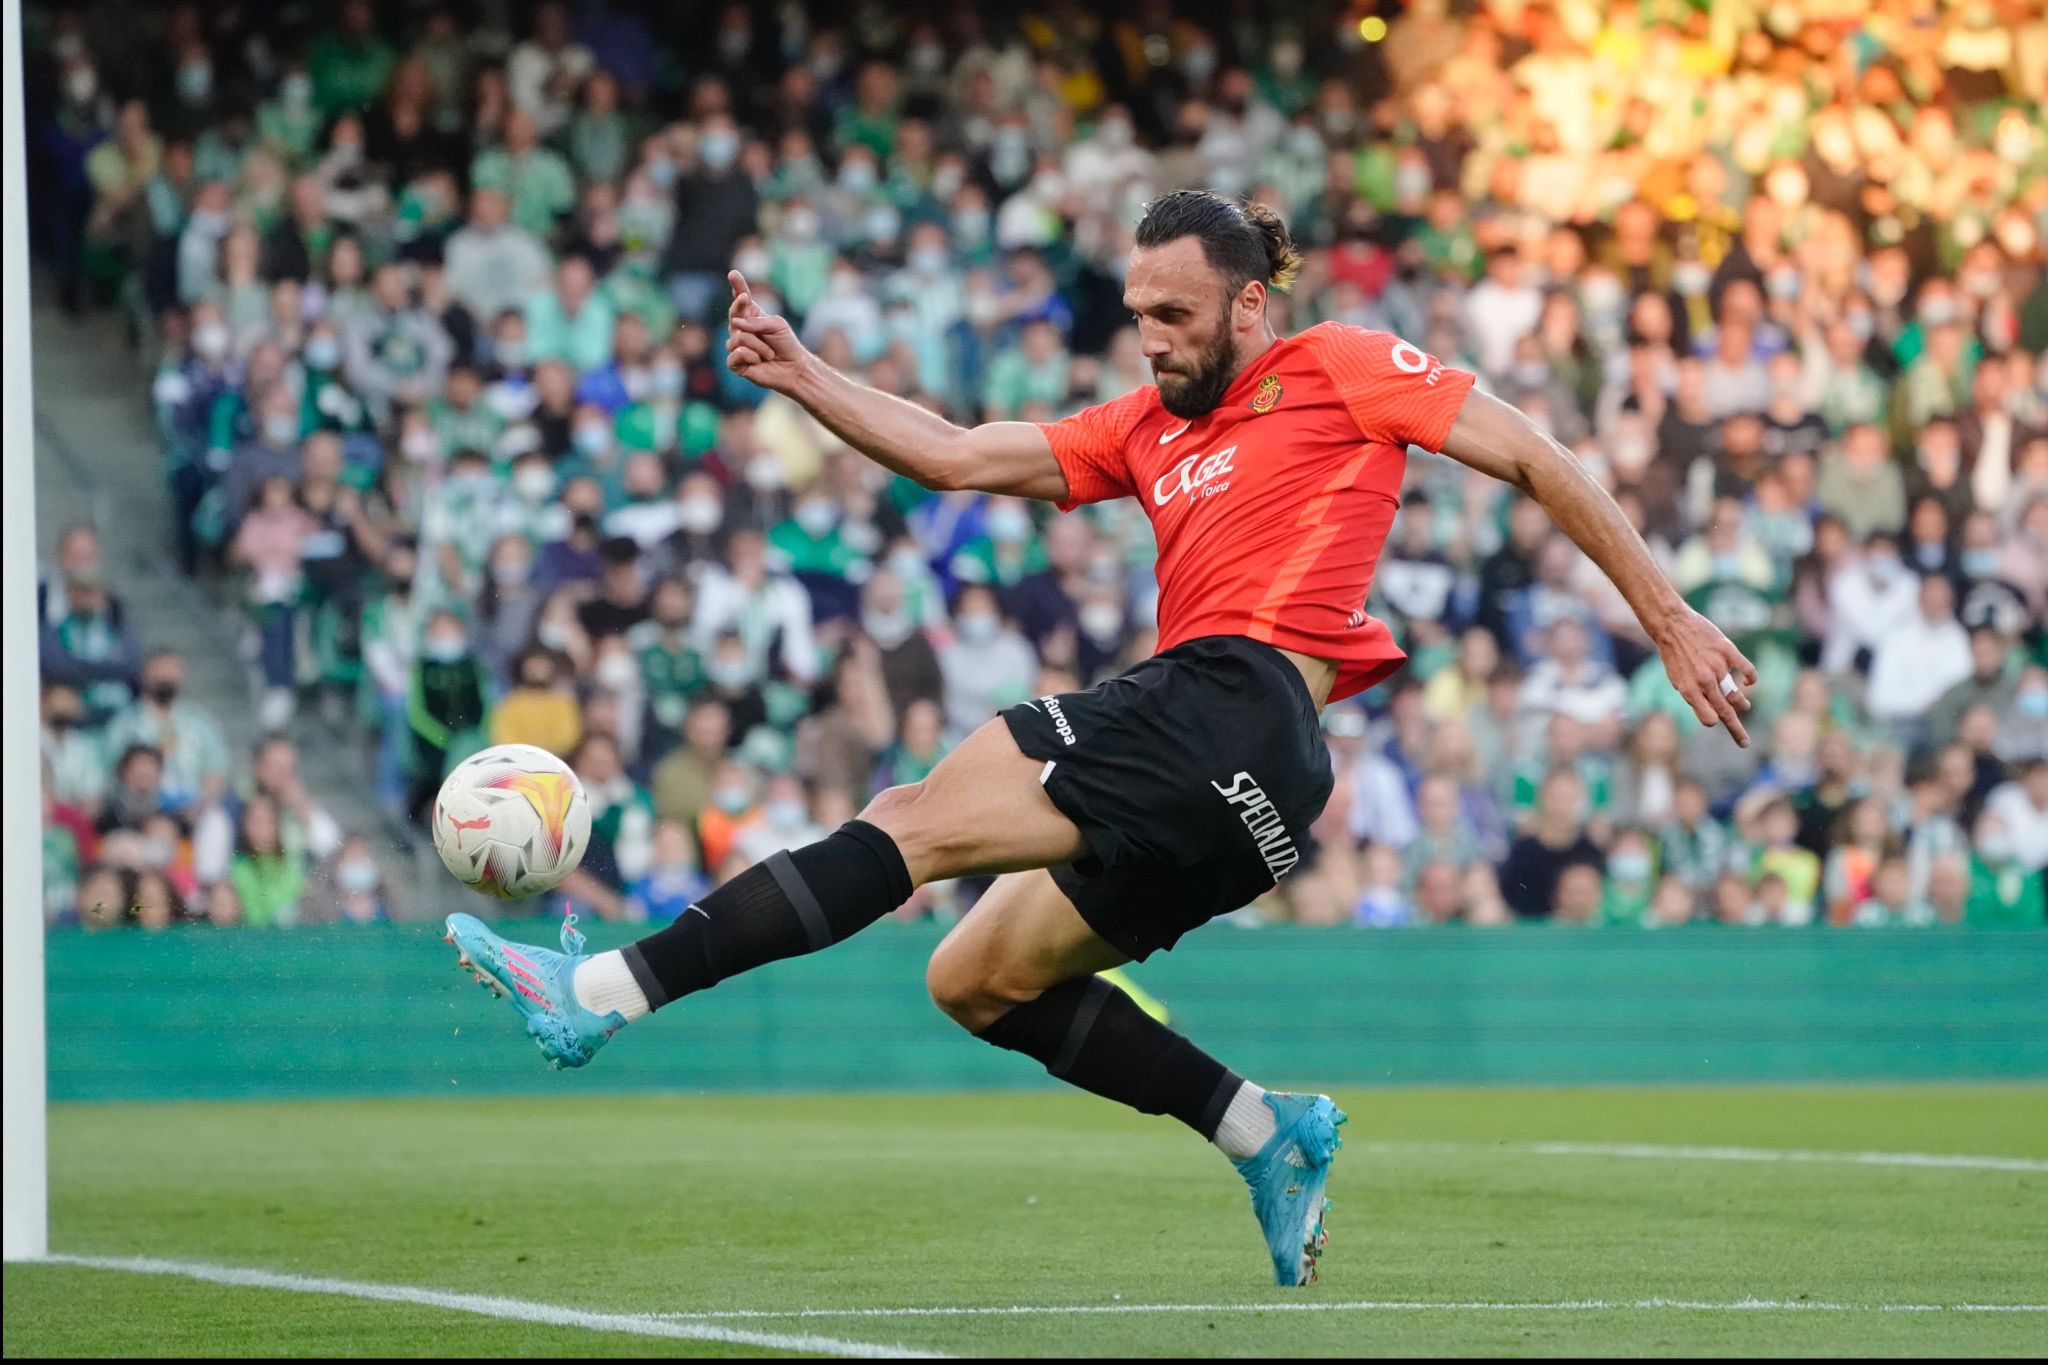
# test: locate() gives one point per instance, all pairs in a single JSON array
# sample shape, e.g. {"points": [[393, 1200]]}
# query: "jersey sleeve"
{"points": [[1090, 448], [1396, 392]]}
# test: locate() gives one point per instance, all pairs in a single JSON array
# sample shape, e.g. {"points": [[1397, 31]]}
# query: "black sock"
{"points": [[771, 911], [1090, 1034]]}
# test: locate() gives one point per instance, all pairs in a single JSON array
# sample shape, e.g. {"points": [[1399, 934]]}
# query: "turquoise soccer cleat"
{"points": [[537, 982], [1287, 1177]]}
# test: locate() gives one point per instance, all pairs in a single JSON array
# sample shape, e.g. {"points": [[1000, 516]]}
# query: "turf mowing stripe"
{"points": [[1364, 1306], [1656, 1152], [484, 1305]]}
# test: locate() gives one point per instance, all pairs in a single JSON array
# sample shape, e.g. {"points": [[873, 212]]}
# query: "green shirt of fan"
{"points": [[1624, 906], [269, 887], [1013, 381], [475, 427], [632, 288], [799, 271], [289, 133], [348, 75], [876, 132], [803, 552], [583, 339], [328, 405], [1594, 770], [537, 182], [2007, 896], [671, 672], [691, 428], [1001, 562]]}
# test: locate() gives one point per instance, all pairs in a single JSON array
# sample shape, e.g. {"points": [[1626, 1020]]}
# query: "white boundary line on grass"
{"points": [[1364, 1306], [1659, 1152], [489, 1306]]}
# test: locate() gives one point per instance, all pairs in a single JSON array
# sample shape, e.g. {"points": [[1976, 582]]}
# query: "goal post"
{"points": [[24, 1142]]}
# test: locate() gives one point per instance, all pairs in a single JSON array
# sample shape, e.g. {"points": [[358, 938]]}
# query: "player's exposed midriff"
{"points": [[1319, 674]]}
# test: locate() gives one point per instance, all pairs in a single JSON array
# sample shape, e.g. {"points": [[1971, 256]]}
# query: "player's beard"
{"points": [[1195, 393]]}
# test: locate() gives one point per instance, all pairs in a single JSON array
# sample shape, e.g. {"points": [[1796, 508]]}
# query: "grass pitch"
{"points": [[1447, 1208]]}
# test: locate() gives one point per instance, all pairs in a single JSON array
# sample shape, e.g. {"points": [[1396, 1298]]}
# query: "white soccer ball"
{"points": [[511, 821]]}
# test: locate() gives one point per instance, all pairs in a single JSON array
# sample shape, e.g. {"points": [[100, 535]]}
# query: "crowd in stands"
{"points": [[435, 294]]}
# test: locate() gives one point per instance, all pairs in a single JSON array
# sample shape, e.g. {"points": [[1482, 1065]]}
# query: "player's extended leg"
{"points": [[1020, 972], [982, 810]]}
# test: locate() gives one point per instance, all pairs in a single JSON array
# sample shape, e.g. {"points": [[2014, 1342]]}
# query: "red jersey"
{"points": [[1271, 510]]}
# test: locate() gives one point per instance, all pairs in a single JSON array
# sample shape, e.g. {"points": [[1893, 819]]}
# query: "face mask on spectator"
{"points": [[2032, 703], [982, 309], [533, 482], [1782, 284], [928, 261], [1532, 374], [845, 285], [1410, 182], [357, 875], [210, 340], [699, 514], [970, 224], [1199, 63], [732, 800], [157, 853], [444, 649], [764, 472], [296, 90], [754, 263], [195, 82], [718, 149], [662, 172], [887, 628], [1101, 621], [946, 181], [857, 177], [784, 812], [665, 382], [617, 672], [1602, 295], [1885, 569], [280, 429], [1009, 524], [927, 58], [731, 674], [510, 353], [1690, 278], [81, 85], [552, 635], [801, 225], [1629, 867], [977, 629], [882, 224], [323, 354], [510, 573], [1995, 849], [817, 517], [1860, 325], [593, 440], [1727, 566], [419, 445], [907, 564]]}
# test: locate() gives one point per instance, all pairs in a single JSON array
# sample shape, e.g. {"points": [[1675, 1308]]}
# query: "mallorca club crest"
{"points": [[1267, 394]]}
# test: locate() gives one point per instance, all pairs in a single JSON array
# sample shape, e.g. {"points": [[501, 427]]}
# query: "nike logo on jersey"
{"points": [[1195, 476], [1168, 436]]}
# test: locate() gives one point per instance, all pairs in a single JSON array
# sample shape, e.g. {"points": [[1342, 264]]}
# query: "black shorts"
{"points": [[1194, 777]]}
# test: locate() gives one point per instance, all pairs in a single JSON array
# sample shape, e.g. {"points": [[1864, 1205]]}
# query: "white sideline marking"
{"points": [[1366, 1306], [489, 1306], [1657, 1152]]}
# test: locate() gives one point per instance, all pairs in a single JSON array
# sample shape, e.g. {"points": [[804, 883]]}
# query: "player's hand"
{"points": [[1708, 671], [760, 347]]}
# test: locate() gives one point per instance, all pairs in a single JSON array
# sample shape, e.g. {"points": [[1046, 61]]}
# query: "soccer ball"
{"points": [[511, 821]]}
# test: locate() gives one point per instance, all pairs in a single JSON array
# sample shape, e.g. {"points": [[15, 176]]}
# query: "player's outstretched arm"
{"points": [[1497, 439], [997, 457]]}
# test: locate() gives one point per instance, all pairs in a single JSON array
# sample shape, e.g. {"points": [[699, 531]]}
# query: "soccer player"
{"points": [[1125, 815]]}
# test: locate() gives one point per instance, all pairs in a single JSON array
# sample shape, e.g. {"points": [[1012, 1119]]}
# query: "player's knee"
{"points": [[967, 989], [909, 816]]}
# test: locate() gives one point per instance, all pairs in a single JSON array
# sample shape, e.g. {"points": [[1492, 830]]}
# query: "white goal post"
{"points": [[24, 1142]]}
